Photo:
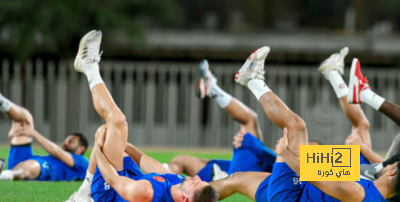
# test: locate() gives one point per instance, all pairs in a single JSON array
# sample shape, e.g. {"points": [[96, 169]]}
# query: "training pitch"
{"points": [[60, 191]]}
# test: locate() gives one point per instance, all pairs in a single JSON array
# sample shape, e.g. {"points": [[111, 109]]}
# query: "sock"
{"points": [[93, 75], [5, 104], [338, 84], [7, 175], [371, 99], [223, 99], [258, 87], [84, 190], [392, 159], [166, 166], [379, 167]]}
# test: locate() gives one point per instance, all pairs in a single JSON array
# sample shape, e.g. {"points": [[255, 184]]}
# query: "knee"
{"points": [[117, 119], [364, 124], [297, 124], [98, 132], [180, 159]]}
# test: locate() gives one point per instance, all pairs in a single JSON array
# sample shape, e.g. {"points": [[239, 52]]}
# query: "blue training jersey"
{"points": [[311, 193], [53, 169]]}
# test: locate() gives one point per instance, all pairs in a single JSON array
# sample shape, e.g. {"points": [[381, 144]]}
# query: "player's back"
{"points": [[311, 193], [55, 170]]}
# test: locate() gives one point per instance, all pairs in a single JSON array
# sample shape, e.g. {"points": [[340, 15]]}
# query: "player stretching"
{"points": [[117, 178], [249, 153], [62, 164], [283, 184]]}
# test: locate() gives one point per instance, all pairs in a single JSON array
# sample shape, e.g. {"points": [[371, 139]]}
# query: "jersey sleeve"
{"points": [[81, 163]]}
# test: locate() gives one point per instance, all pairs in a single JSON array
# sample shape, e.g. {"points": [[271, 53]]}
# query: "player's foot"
{"points": [[334, 62], [74, 198], [2, 164], [357, 83], [253, 67], [206, 80], [88, 52], [369, 170]]}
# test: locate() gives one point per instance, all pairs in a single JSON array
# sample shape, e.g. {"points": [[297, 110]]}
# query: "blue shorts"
{"points": [[18, 154], [252, 156], [262, 190], [284, 184], [363, 160], [206, 173], [101, 191]]}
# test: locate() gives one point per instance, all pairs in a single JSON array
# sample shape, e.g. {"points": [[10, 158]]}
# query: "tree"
{"points": [[57, 25]]}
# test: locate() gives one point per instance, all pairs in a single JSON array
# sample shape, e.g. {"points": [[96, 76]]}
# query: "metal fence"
{"points": [[162, 110]]}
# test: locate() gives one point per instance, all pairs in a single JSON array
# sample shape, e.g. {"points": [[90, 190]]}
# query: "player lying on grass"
{"points": [[118, 178], [249, 153], [62, 164], [283, 184]]}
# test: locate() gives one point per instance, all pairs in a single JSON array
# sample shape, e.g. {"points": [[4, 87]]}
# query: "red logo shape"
{"points": [[158, 178]]}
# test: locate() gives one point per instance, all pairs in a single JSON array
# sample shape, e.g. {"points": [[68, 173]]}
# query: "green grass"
{"points": [[28, 191]]}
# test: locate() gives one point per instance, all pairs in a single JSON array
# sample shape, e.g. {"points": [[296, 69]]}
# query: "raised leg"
{"points": [[391, 110]]}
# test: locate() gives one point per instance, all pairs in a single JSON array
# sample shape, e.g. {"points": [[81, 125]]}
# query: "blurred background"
{"points": [[151, 55]]}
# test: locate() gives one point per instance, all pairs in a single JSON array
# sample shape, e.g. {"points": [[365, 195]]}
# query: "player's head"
{"points": [[314, 142], [195, 190], [392, 172], [75, 143]]}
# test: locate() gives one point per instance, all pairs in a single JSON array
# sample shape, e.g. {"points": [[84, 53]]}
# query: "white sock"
{"points": [[223, 99], [258, 87], [7, 175], [371, 98], [166, 166], [5, 104], [84, 190], [93, 75], [379, 167], [338, 84]]}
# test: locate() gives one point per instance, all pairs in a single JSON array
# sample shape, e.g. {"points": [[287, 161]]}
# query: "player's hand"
{"points": [[238, 139], [354, 138], [100, 137], [283, 143], [21, 129]]}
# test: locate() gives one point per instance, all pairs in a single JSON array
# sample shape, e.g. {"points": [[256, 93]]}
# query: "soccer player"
{"points": [[118, 178], [62, 164], [249, 153], [283, 184]]}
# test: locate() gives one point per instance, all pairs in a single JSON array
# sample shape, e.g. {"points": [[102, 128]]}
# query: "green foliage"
{"points": [[57, 25]]}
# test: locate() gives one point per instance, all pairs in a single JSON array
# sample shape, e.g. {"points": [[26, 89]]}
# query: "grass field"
{"points": [[59, 191]]}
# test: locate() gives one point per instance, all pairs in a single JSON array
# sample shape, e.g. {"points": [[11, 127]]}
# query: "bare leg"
{"points": [[245, 116], [283, 117], [27, 170], [187, 164], [245, 183], [357, 118], [392, 111], [117, 129]]}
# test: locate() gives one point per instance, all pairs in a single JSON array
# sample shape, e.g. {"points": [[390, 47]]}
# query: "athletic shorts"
{"points": [[363, 160], [18, 154], [253, 155], [262, 190], [284, 185], [101, 191]]}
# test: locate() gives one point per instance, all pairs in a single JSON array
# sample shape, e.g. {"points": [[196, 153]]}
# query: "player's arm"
{"points": [[128, 189], [146, 163], [53, 149], [343, 191]]}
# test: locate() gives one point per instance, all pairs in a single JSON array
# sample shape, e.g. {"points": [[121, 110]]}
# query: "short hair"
{"points": [[396, 180], [82, 141], [320, 143], [206, 194]]}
